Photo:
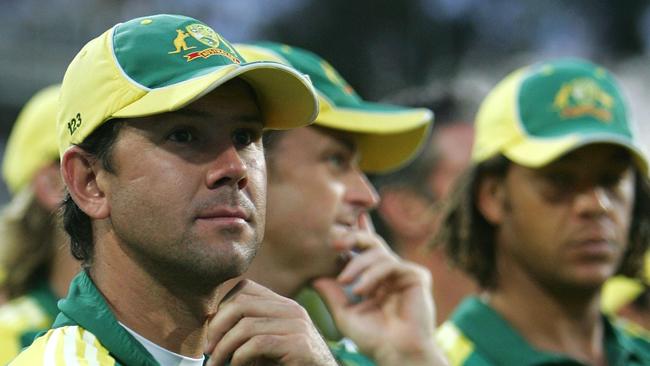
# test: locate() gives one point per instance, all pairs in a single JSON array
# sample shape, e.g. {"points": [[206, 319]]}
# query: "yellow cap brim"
{"points": [[536, 153], [386, 139], [286, 100]]}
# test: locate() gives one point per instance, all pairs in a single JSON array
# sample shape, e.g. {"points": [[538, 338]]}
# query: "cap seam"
{"points": [[119, 66]]}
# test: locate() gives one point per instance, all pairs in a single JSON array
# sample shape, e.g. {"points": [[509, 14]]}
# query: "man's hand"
{"points": [[255, 326], [394, 323]]}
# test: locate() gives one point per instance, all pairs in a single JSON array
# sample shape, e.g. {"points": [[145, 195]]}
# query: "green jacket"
{"points": [[477, 335], [87, 332]]}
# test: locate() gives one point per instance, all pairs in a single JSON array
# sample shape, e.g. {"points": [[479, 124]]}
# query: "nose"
{"points": [[593, 200], [361, 192], [227, 168]]}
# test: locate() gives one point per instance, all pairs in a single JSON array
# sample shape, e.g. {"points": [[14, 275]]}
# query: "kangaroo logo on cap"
{"points": [[179, 42], [584, 97], [204, 34]]}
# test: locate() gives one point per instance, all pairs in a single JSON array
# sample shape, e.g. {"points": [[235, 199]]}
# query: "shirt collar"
{"points": [[85, 306], [493, 337]]}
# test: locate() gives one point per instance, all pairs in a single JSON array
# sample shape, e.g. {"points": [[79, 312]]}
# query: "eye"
{"points": [[182, 135], [338, 160], [559, 180], [243, 137], [610, 180]]}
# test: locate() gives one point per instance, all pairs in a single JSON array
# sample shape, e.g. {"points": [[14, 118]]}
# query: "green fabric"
{"points": [[571, 97], [343, 349], [326, 79], [155, 52], [309, 299], [496, 343], [348, 356], [86, 307]]}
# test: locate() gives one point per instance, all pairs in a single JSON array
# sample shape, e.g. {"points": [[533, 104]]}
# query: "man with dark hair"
{"points": [[555, 203], [162, 158], [318, 230]]}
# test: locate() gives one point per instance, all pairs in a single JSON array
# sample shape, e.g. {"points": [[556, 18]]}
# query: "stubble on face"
{"points": [[160, 195]]}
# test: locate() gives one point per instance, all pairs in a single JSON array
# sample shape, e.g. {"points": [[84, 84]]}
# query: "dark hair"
{"points": [[469, 239], [75, 222]]}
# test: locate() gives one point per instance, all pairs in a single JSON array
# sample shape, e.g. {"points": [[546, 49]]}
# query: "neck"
{"points": [[268, 272], [565, 321], [172, 316]]}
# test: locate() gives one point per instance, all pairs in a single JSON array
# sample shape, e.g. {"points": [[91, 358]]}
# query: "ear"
{"points": [[405, 211], [491, 199], [48, 186], [80, 171]]}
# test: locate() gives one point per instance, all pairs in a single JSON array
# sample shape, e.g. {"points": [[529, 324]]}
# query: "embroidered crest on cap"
{"points": [[204, 34], [584, 97]]}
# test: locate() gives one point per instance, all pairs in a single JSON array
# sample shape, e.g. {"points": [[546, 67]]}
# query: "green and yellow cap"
{"points": [[162, 63], [32, 143], [388, 136], [543, 111]]}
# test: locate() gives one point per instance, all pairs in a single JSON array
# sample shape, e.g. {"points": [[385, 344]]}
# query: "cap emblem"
{"points": [[206, 36], [584, 97]]}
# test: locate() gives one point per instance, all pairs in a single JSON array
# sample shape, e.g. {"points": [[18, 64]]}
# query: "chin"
{"points": [[592, 280]]}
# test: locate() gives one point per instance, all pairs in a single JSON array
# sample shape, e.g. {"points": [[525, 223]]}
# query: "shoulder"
{"points": [[68, 345], [458, 347]]}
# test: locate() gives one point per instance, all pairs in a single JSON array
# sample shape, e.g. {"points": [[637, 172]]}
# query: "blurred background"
{"points": [[420, 52]]}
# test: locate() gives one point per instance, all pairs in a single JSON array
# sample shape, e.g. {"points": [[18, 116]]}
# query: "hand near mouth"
{"points": [[395, 320]]}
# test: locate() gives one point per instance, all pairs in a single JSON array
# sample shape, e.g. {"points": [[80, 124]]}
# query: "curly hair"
{"points": [[469, 239]]}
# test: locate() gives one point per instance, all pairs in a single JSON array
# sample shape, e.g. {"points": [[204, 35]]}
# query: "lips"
{"points": [[225, 213]]}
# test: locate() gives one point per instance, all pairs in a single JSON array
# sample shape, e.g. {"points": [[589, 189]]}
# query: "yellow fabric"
{"points": [[32, 143], [495, 123], [95, 89], [69, 345], [454, 344], [619, 291], [18, 316]]}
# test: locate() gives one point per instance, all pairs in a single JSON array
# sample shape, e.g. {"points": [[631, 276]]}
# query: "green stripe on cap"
{"points": [[164, 49]]}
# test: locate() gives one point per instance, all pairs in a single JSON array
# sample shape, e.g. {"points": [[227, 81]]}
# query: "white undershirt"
{"points": [[163, 356]]}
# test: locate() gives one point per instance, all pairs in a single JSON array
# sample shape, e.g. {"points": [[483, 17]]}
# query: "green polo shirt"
{"points": [[85, 333], [477, 335]]}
